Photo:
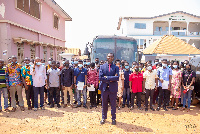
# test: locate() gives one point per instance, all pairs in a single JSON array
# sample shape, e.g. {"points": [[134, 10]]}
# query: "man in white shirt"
{"points": [[53, 80], [150, 78], [38, 72]]}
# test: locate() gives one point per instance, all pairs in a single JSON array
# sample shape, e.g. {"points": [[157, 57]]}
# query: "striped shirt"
{"points": [[2, 77]]}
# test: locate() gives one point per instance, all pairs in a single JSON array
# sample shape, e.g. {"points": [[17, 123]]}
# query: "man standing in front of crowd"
{"points": [[80, 79], [67, 81], [108, 76], [38, 73], [3, 88], [14, 83], [149, 78], [164, 75], [28, 83]]}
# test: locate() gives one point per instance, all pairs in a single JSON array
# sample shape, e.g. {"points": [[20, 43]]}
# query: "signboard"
{"points": [[177, 18]]}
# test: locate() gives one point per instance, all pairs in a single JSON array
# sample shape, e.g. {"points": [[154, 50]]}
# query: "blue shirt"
{"points": [[126, 78], [164, 74], [82, 75]]}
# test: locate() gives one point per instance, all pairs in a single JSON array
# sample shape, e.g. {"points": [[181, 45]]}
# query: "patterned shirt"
{"points": [[25, 71], [2, 77], [13, 75]]}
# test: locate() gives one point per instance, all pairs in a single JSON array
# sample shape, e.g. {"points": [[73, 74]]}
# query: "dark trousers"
{"points": [[138, 95], [168, 97], [38, 90], [149, 93], [68, 96], [48, 95], [30, 96], [62, 96], [112, 96], [161, 93], [54, 91], [92, 95], [155, 96]]}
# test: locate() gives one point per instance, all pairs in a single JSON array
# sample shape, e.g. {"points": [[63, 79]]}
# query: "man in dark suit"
{"points": [[108, 76]]}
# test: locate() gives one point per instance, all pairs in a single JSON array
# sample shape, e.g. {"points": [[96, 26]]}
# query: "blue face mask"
{"points": [[133, 66], [38, 63], [80, 65], [156, 62], [75, 62], [43, 63], [13, 62], [88, 63], [63, 62], [175, 66], [127, 67], [49, 62], [27, 64], [72, 62]]}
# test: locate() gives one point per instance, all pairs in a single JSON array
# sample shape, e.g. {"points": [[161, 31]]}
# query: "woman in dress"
{"points": [[176, 85], [120, 84]]}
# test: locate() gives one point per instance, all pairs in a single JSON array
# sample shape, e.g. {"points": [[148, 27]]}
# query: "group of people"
{"points": [[106, 81]]}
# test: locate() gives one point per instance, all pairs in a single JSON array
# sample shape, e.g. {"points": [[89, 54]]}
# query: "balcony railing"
{"points": [[194, 33], [177, 32]]}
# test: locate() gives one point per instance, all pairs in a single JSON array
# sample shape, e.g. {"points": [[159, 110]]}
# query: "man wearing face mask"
{"points": [[156, 61], [164, 76], [149, 78], [136, 83], [96, 61], [28, 83], [67, 81], [80, 75], [14, 83], [38, 73], [46, 90], [75, 63], [133, 66]]}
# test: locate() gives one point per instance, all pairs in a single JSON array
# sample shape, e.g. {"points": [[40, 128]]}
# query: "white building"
{"points": [[146, 30]]}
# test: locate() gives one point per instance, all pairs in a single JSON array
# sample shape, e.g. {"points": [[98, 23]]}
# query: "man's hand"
{"points": [[84, 86], [63, 88], [75, 85], [88, 85], [144, 90], [169, 87], [122, 88], [8, 87], [26, 87], [71, 86], [156, 88], [131, 91], [161, 80]]}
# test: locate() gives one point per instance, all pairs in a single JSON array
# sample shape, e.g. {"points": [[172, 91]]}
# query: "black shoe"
{"points": [[180, 105], [158, 109], [75, 102], [139, 108], [85, 106], [102, 122], [58, 105], [119, 108], [79, 105], [128, 105], [165, 108], [113, 122], [152, 109], [123, 105], [174, 108], [48, 103], [131, 108], [146, 109], [51, 106], [170, 107]]}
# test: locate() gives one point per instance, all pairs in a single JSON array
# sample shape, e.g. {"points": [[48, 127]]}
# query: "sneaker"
{"points": [[128, 105], [51, 106], [13, 109], [29, 108], [58, 105], [75, 102], [43, 108], [35, 109], [22, 108], [113, 122], [152, 109], [65, 105], [119, 108], [90, 106], [146, 109], [131, 108], [158, 109], [85, 106], [7, 110]]}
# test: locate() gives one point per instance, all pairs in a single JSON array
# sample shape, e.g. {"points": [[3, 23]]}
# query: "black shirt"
{"points": [[187, 77], [67, 77]]}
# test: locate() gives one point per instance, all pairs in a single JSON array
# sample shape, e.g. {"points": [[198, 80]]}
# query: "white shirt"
{"points": [[53, 77], [39, 75], [150, 79]]}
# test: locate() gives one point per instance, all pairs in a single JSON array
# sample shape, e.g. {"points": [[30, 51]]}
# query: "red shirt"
{"points": [[93, 77], [154, 67], [136, 82]]}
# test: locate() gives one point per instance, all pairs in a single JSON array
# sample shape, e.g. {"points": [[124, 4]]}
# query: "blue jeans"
{"points": [[5, 96], [38, 90], [126, 94], [187, 95], [84, 96]]}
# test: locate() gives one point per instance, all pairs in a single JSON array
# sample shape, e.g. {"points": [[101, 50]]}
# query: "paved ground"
{"points": [[80, 120]]}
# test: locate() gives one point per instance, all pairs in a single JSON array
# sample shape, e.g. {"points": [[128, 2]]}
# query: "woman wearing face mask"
{"points": [[120, 84], [188, 84], [176, 85]]}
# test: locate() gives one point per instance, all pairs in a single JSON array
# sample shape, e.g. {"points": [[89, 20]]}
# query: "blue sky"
{"points": [[100, 17]]}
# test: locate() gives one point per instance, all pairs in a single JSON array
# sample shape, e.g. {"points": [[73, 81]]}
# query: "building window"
{"points": [[56, 21], [140, 25], [45, 53], [51, 53], [58, 56], [32, 50], [20, 52], [158, 28], [31, 7]]}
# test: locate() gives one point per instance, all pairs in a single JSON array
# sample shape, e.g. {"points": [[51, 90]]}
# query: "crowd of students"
{"points": [[64, 85]]}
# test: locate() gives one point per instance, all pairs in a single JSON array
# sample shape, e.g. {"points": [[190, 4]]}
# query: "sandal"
{"points": [[7, 110], [13, 109], [174, 108], [22, 108]]}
